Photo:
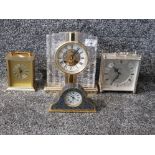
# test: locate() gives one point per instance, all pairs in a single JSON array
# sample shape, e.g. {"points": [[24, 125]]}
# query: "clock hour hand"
{"points": [[117, 76]]}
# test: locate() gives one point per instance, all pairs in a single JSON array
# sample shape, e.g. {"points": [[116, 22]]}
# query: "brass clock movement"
{"points": [[71, 58], [119, 71], [20, 70]]}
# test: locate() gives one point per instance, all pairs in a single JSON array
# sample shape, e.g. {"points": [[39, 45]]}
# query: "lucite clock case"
{"points": [[119, 71], [55, 78], [20, 70]]}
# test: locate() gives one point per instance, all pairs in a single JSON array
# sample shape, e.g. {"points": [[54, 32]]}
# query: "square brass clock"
{"points": [[119, 71], [20, 70]]}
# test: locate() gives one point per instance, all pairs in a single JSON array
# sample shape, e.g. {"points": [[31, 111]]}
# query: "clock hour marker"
{"points": [[132, 73], [80, 63]]}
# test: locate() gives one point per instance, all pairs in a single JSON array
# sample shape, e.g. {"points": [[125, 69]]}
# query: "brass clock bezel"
{"points": [[60, 47]]}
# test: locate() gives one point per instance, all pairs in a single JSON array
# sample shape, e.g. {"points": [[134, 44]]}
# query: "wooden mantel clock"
{"points": [[71, 58]]}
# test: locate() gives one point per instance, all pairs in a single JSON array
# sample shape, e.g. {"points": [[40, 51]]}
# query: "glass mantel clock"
{"points": [[63, 41]]}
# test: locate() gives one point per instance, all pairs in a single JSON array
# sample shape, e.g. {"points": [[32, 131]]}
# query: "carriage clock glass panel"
{"points": [[20, 70], [119, 71]]}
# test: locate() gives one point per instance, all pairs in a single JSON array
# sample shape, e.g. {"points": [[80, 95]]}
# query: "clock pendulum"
{"points": [[72, 58]]}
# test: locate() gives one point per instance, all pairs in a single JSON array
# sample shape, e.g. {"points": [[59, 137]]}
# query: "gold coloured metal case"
{"points": [[20, 70], [126, 59]]}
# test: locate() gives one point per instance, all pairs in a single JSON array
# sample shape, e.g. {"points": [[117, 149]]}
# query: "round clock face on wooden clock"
{"points": [[71, 57]]}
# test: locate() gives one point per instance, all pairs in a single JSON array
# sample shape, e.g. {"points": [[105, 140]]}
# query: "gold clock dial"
{"points": [[20, 71], [71, 57]]}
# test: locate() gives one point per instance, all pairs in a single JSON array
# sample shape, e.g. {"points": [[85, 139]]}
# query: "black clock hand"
{"points": [[117, 76], [76, 51], [72, 97]]}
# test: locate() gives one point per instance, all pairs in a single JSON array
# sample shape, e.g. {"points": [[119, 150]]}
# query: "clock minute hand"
{"points": [[116, 77], [118, 74], [76, 51]]}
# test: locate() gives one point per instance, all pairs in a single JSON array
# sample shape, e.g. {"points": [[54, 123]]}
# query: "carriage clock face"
{"points": [[71, 57], [73, 98], [120, 73], [20, 72]]}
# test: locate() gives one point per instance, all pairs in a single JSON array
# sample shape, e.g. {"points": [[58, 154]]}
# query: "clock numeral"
{"points": [[80, 63], [132, 73]]}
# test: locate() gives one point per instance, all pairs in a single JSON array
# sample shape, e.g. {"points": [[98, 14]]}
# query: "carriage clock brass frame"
{"points": [[24, 61], [53, 42]]}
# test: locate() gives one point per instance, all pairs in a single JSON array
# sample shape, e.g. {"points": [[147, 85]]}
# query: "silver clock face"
{"points": [[73, 99], [120, 73], [71, 57]]}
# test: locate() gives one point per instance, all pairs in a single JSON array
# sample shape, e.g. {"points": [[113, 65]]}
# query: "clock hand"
{"points": [[117, 76], [116, 69], [76, 51], [72, 97]]}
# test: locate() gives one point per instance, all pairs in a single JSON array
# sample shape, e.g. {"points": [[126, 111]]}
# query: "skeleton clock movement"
{"points": [[71, 58]]}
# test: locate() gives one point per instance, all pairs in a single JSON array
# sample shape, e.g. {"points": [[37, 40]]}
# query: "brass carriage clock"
{"points": [[71, 58], [20, 71]]}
